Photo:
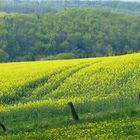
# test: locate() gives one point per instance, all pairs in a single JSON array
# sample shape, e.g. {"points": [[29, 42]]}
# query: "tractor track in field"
{"points": [[62, 80], [46, 89], [26, 90]]}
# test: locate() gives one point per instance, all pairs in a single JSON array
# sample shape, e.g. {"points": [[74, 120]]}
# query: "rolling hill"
{"points": [[104, 90], [28, 6]]}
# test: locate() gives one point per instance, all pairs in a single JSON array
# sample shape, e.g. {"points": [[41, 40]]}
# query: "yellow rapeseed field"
{"points": [[104, 91]]}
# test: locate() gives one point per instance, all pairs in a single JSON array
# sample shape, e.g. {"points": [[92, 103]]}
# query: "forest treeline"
{"points": [[71, 33]]}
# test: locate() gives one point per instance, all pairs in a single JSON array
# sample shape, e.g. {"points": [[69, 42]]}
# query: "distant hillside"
{"points": [[72, 33], [28, 6]]}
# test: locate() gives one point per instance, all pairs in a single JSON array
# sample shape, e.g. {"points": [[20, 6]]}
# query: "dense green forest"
{"points": [[67, 34]]}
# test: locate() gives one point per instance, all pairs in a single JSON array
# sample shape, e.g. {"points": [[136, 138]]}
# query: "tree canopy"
{"points": [[78, 32]]}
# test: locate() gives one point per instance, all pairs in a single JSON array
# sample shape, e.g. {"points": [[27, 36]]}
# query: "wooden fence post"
{"points": [[139, 98], [3, 127], [73, 111]]}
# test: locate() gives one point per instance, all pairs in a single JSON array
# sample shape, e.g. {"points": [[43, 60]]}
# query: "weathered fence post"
{"points": [[139, 98], [3, 127], [73, 111]]}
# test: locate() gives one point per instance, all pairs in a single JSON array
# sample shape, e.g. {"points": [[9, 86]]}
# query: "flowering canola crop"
{"points": [[104, 91]]}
